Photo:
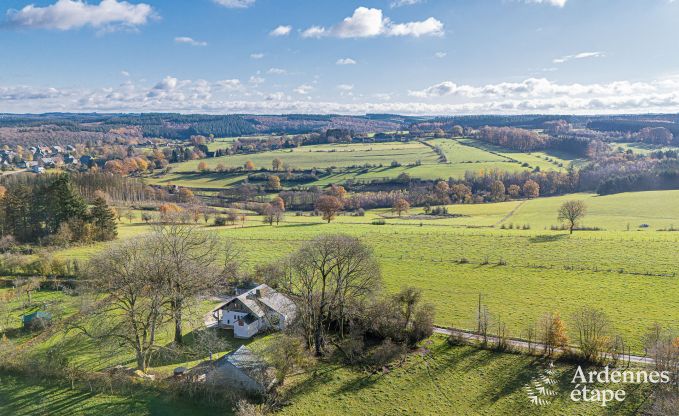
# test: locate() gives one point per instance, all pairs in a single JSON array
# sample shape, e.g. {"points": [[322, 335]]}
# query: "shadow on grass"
{"points": [[547, 238], [24, 397]]}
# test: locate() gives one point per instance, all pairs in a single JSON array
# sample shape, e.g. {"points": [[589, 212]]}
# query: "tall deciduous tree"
{"points": [[325, 278], [572, 212], [400, 206], [132, 275], [329, 206], [191, 258]]}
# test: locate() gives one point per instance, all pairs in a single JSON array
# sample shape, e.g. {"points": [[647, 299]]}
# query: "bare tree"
{"points": [[325, 277], [191, 256], [592, 327], [572, 212], [133, 276]]}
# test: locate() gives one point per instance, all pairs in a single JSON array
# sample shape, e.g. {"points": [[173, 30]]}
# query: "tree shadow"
{"points": [[547, 238]]}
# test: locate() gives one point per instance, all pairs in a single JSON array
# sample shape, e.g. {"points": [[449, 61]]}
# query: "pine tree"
{"points": [[62, 203], [104, 221]]}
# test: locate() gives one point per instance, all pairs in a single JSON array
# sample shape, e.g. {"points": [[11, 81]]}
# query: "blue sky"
{"points": [[280, 56]]}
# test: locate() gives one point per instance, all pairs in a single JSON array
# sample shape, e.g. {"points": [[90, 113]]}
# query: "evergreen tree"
{"points": [[17, 213], [62, 203], [103, 219]]}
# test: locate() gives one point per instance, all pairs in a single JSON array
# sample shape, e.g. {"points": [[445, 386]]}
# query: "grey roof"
{"points": [[246, 361], [268, 298]]}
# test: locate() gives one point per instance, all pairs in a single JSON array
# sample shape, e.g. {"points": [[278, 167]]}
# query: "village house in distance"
{"points": [[256, 310]]}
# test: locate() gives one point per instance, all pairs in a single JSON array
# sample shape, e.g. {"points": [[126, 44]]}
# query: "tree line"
{"points": [[41, 208]]}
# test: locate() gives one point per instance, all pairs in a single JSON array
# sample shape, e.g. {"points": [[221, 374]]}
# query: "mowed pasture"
{"points": [[521, 274], [367, 161], [442, 380], [323, 156]]}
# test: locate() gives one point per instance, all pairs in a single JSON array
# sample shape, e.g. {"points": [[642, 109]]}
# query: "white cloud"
{"points": [[429, 27], [303, 89], [235, 4], [189, 41], [230, 84], [533, 88], [281, 31], [256, 55], [534, 95], [124, 73], [346, 61], [401, 3], [277, 71], [582, 55], [76, 14], [257, 80], [276, 96], [441, 55], [314, 32], [557, 3], [366, 23]]}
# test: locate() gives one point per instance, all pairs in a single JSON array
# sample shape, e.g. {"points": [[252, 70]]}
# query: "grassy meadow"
{"points": [[439, 379], [417, 159], [521, 274]]}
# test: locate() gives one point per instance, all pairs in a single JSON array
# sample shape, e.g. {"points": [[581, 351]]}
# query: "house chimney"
{"points": [[258, 293]]}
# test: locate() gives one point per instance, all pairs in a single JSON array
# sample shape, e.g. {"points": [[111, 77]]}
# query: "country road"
{"points": [[523, 345]]}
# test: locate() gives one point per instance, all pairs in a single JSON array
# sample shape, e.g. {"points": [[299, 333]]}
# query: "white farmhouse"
{"points": [[257, 310]]}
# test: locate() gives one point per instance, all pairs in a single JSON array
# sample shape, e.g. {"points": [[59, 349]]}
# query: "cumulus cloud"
{"points": [[277, 71], [281, 31], [441, 55], [171, 94], [256, 55], [230, 84], [401, 3], [368, 22], [256, 80], [303, 89], [534, 88], [346, 61], [189, 41], [235, 4], [557, 3], [76, 14], [581, 55]]}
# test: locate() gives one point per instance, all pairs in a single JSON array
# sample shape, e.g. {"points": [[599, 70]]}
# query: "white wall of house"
{"points": [[243, 330], [230, 317]]}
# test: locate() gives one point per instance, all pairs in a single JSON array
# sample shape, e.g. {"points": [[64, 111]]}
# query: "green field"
{"points": [[520, 274], [436, 379], [24, 398], [632, 275], [444, 380], [415, 158], [322, 156]]}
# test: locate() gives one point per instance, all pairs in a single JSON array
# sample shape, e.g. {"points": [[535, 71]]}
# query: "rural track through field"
{"points": [[523, 345], [510, 213]]}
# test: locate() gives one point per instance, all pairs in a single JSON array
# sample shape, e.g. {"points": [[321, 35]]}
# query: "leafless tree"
{"points": [[132, 276], [572, 212], [324, 277], [192, 259], [592, 327]]}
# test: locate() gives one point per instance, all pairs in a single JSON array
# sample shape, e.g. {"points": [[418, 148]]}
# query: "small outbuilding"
{"points": [[36, 317]]}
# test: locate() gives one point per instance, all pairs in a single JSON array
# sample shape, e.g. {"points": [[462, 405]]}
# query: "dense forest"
{"points": [[40, 208]]}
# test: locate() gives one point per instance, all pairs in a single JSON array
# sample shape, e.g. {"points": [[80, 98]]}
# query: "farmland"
{"points": [[471, 381], [521, 274], [365, 161]]}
